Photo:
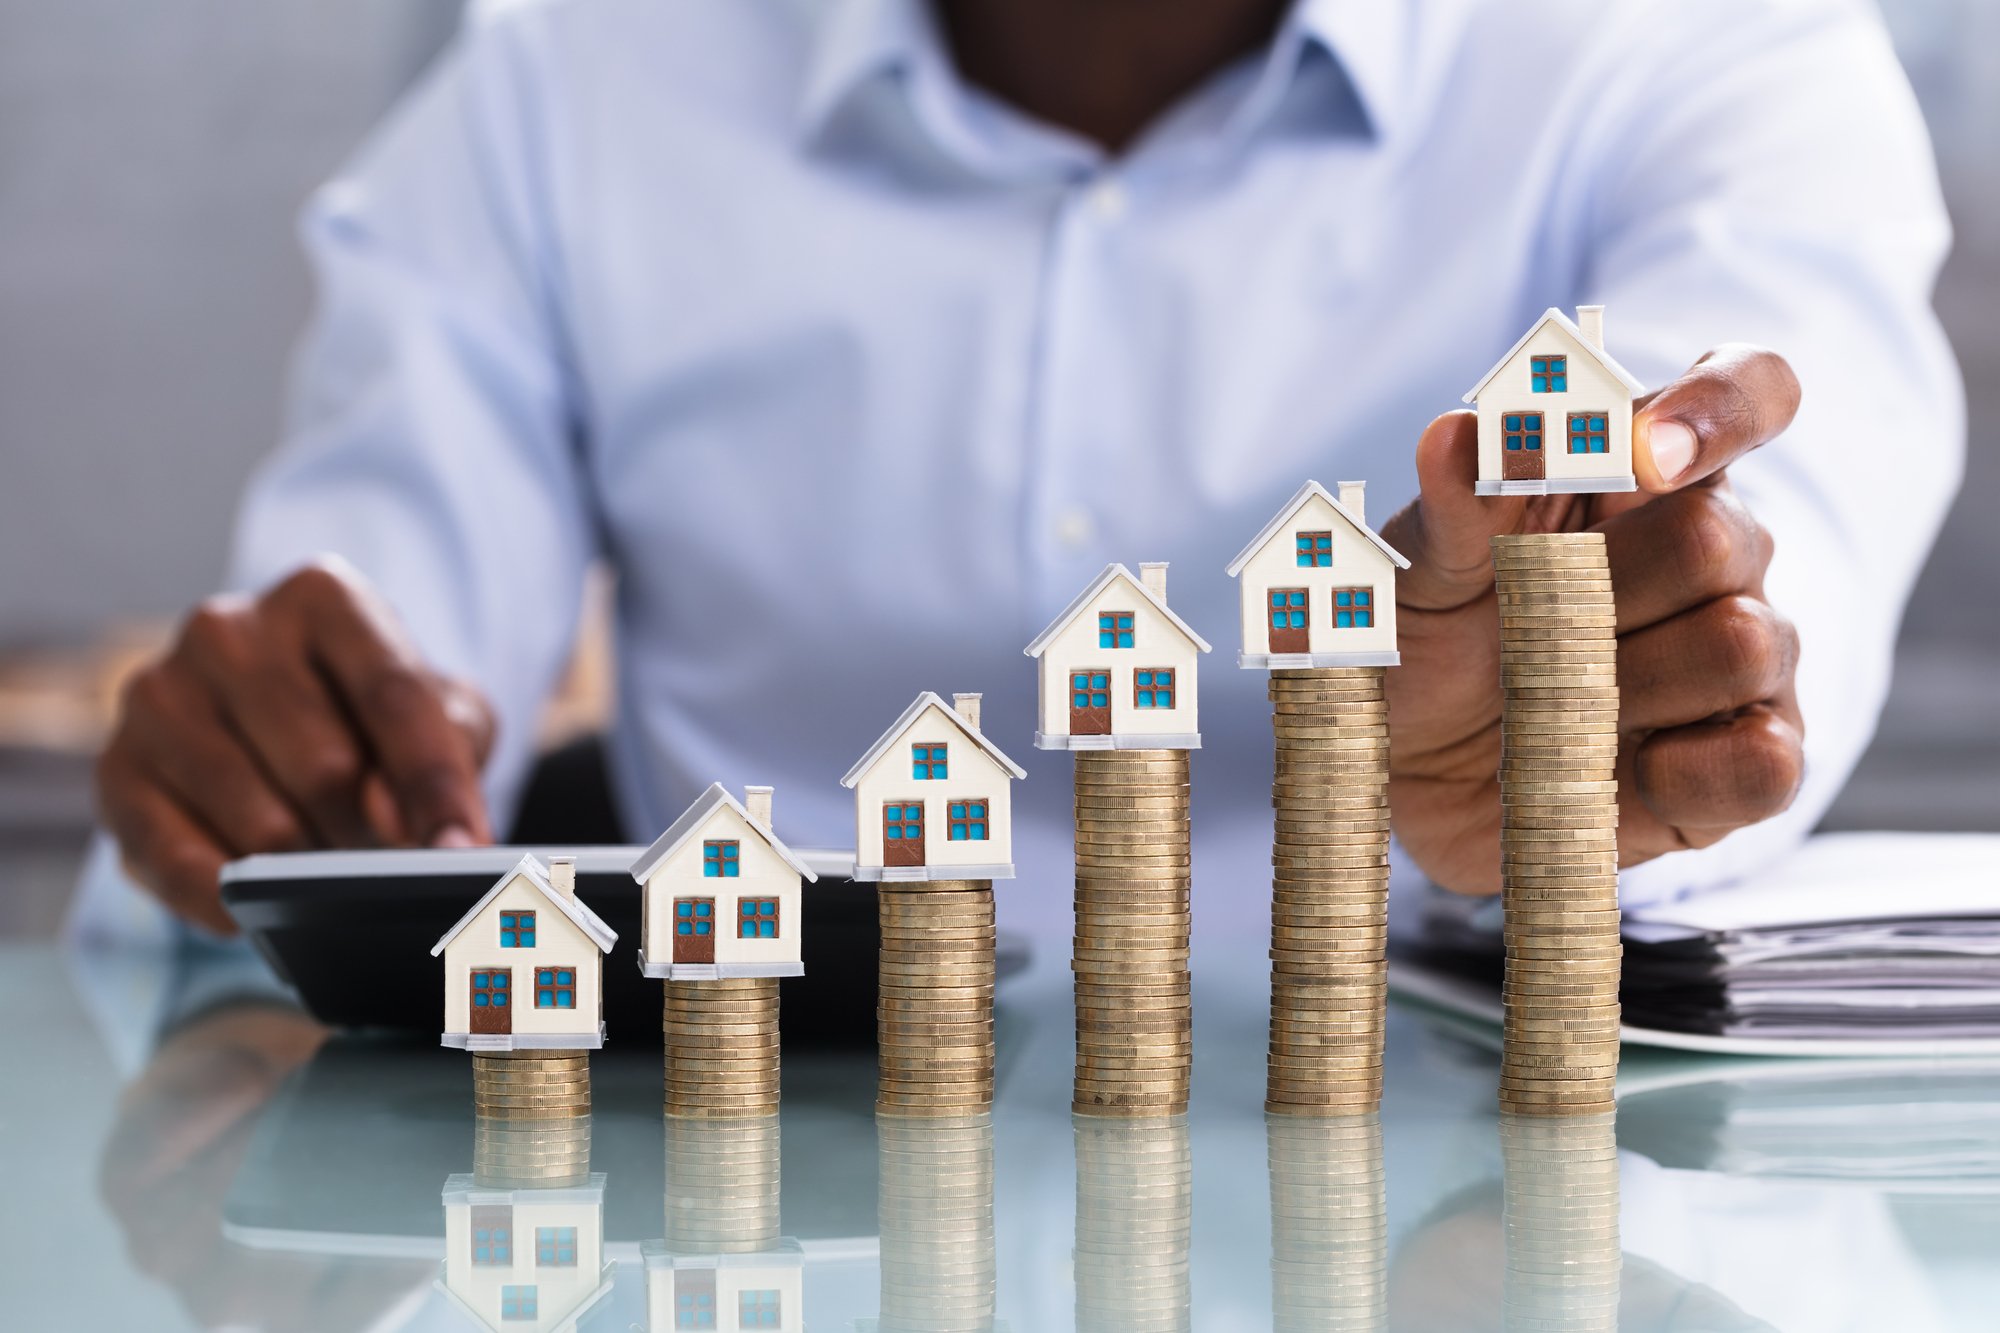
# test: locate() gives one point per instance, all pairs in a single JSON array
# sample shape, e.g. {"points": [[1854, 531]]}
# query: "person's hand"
{"points": [[295, 719], [1711, 738]]}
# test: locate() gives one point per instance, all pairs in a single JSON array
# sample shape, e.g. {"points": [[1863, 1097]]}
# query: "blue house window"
{"points": [[1550, 374], [1589, 433], [1089, 689], [927, 763], [555, 988], [517, 930], [1114, 629], [489, 989], [695, 1309], [519, 1303], [758, 1309], [1523, 430], [492, 1236], [555, 1247], [1315, 550], [968, 821], [1353, 608], [721, 860], [902, 823], [694, 916], [1153, 688], [757, 919], [1288, 609]]}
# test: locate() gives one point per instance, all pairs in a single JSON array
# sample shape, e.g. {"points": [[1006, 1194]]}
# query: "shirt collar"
{"points": [[1370, 43]]}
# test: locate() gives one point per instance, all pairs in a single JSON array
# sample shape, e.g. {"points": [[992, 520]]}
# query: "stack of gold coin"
{"points": [[936, 1215], [1330, 891], [530, 1085], [934, 1007], [722, 1048], [1329, 1224], [510, 1154], [1134, 1021], [722, 1185], [1560, 1212], [1134, 1215], [1559, 822]]}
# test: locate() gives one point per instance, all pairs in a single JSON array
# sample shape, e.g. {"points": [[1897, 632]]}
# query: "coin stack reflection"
{"points": [[934, 1011], [513, 1154], [1330, 890], [1134, 1021], [1329, 1224], [530, 1085], [722, 1185], [936, 1216], [1559, 822], [1560, 1214], [1134, 1214], [722, 1048]]}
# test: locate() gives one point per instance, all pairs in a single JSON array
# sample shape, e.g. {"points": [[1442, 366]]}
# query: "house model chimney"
{"points": [[1351, 493], [1590, 320], [562, 875], [967, 707], [1154, 576], [757, 800]]}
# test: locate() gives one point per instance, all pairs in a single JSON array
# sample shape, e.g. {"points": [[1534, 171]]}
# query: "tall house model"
{"points": [[721, 893], [1116, 670], [933, 797], [1318, 586], [523, 970], [1555, 415], [525, 1258]]}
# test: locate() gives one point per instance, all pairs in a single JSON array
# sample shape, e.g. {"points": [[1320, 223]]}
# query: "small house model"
{"points": [[1318, 586], [1116, 670], [523, 969], [1555, 415], [525, 1258], [721, 893], [932, 797], [732, 1293]]}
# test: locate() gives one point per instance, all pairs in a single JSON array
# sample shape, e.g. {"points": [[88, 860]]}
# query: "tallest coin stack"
{"points": [[1559, 822]]}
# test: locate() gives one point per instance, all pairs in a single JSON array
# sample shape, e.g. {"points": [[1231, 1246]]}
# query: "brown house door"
{"points": [[902, 833], [493, 1000], [694, 930], [1090, 702], [1521, 451], [1290, 617]]}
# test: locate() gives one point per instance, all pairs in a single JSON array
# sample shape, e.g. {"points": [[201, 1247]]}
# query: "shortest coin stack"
{"points": [[722, 1048], [936, 1213], [532, 1154], [1134, 1216], [722, 1185], [530, 1085], [934, 1005], [1560, 1213], [1329, 1224]]}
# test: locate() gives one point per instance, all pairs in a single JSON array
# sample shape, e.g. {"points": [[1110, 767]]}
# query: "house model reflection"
{"points": [[524, 1260], [725, 1292]]}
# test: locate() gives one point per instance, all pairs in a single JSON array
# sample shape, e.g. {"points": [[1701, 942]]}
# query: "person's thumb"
{"points": [[1447, 531]]}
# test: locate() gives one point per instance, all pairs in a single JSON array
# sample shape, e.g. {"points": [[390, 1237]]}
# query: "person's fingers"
{"points": [[164, 848], [465, 704], [1713, 659], [1732, 400], [1682, 550], [1710, 778]]}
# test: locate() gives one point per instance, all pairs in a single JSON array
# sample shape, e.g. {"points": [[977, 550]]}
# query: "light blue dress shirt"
{"points": [[856, 375]]}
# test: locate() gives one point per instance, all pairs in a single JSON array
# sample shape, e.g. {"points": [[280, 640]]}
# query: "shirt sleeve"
{"points": [[433, 437], [1771, 181]]}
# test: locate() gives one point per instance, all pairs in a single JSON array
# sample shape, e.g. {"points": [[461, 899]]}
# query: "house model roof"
{"points": [[690, 823], [1552, 314], [1111, 573], [586, 920], [928, 699], [1292, 506]]}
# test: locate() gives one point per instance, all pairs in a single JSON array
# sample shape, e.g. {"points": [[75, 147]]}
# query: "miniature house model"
{"points": [[933, 797], [523, 969], [732, 1293], [1116, 670], [1555, 415], [1319, 586], [721, 894], [530, 1259]]}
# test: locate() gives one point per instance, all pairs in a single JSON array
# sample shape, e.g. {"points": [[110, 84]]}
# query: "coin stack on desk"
{"points": [[1134, 1217], [1560, 1216], [1330, 890], [1559, 822], [934, 1007], [936, 1211], [722, 1185], [530, 1085], [530, 1154], [1134, 1018], [1329, 1224], [722, 1048]]}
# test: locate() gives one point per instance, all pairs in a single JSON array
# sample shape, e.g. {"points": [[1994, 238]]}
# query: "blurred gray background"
{"points": [[152, 159]]}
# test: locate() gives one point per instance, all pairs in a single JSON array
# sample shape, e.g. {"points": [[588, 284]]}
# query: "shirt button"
{"points": [[1109, 201], [1074, 529]]}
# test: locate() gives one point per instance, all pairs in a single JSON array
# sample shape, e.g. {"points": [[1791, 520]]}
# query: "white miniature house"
{"points": [[1555, 414], [933, 797], [1116, 670], [523, 970], [1318, 586], [731, 1293], [528, 1259], [721, 893]]}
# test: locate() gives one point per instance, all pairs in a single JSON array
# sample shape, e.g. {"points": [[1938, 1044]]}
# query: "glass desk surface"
{"points": [[245, 1175]]}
